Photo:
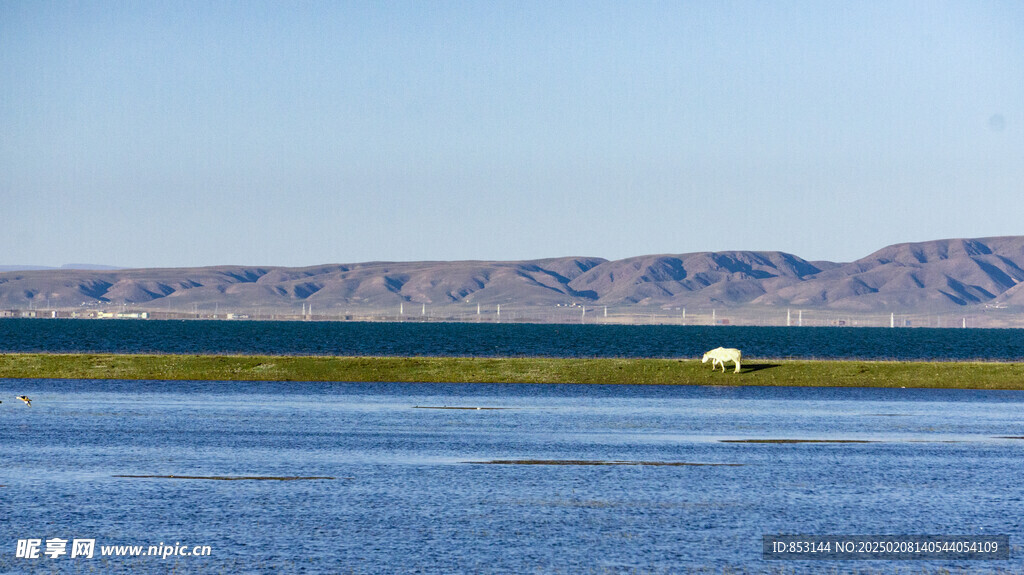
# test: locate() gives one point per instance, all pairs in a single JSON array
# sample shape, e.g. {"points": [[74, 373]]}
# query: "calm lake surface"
{"points": [[490, 340], [407, 487], [411, 492]]}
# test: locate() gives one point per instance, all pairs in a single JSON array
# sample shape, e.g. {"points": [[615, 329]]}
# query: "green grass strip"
{"points": [[817, 373]]}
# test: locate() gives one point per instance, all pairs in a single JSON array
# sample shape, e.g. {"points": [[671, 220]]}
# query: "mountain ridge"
{"points": [[937, 275]]}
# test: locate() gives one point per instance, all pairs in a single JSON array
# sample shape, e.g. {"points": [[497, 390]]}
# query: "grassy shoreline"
{"points": [[756, 372]]}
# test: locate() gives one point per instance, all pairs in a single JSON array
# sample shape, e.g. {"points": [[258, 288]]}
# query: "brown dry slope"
{"points": [[934, 276]]}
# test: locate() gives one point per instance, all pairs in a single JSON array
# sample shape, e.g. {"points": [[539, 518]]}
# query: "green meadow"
{"points": [[759, 372]]}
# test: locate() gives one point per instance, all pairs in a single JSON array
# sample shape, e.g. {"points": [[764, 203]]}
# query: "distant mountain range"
{"points": [[63, 267], [934, 276]]}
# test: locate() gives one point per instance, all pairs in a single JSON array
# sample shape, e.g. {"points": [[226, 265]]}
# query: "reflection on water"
{"points": [[591, 479]]}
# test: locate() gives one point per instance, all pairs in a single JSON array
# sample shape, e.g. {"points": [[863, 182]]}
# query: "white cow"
{"points": [[720, 355]]}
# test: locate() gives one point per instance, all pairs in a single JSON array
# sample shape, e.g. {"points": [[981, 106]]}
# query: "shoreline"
{"points": [[623, 371]]}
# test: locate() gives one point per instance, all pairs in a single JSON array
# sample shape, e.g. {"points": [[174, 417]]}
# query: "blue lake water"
{"points": [[461, 339], [411, 489], [409, 492]]}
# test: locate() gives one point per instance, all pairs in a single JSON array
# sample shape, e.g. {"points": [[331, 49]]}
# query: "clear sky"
{"points": [[295, 133]]}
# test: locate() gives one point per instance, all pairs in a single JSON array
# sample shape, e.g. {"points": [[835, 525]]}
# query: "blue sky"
{"points": [[296, 133]]}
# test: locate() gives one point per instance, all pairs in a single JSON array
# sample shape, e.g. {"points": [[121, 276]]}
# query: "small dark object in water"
{"points": [[220, 477], [598, 462]]}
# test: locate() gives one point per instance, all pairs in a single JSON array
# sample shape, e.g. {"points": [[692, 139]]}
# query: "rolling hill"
{"points": [[934, 276]]}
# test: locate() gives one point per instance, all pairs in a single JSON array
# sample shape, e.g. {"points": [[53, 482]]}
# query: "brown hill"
{"points": [[933, 276], [706, 277], [936, 275]]}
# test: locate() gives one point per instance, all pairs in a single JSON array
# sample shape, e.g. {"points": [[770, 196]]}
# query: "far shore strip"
{"points": [[666, 371]]}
